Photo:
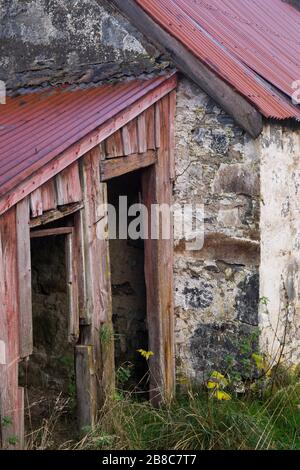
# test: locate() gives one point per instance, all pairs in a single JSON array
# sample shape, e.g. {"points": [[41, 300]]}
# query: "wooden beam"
{"points": [[54, 215], [233, 103], [120, 166], [21, 188], [24, 277], [50, 232]]}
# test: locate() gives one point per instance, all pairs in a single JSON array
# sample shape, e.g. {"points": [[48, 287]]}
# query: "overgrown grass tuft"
{"points": [[196, 421]]}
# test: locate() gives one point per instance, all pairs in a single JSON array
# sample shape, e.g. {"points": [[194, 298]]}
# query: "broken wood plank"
{"points": [[68, 186], [36, 203], [230, 101], [24, 277], [142, 133], [52, 216], [150, 128], [114, 145], [130, 138], [49, 199], [120, 166]]}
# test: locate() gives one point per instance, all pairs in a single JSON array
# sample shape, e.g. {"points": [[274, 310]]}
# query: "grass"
{"points": [[195, 421]]}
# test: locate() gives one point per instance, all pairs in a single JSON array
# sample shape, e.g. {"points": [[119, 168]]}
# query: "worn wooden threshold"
{"points": [[120, 166]]}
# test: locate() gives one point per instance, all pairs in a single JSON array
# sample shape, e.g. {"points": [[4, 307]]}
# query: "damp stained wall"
{"points": [[280, 241]]}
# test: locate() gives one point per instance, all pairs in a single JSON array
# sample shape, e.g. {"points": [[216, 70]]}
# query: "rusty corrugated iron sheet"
{"points": [[254, 45], [37, 127]]}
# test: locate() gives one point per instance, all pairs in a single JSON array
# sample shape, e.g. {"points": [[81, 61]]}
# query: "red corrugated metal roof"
{"points": [[254, 45], [37, 127]]}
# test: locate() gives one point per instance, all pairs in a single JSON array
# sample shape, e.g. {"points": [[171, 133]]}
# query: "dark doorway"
{"points": [[48, 375], [128, 292]]}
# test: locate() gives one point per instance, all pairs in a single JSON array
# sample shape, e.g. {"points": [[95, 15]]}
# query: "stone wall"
{"points": [[217, 287], [46, 42], [280, 241]]}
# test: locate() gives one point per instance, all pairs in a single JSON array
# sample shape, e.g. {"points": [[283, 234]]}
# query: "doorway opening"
{"points": [[48, 375], [128, 291]]}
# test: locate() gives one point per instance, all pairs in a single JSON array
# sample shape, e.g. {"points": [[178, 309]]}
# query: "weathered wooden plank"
{"points": [[130, 138], [68, 186], [9, 333], [36, 203], [24, 277], [114, 145], [49, 199], [232, 102], [142, 133], [52, 232], [157, 124], [52, 216], [121, 166], [85, 387], [21, 187], [157, 189], [79, 262], [97, 272], [72, 285], [150, 127], [172, 143]]}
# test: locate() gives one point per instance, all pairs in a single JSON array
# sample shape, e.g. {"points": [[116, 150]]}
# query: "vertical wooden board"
{"points": [[150, 128], [9, 332], [142, 133], [130, 138], [114, 145], [49, 196], [36, 203], [79, 263], [172, 144], [157, 124], [85, 387], [68, 185], [72, 285], [97, 270], [24, 277]]}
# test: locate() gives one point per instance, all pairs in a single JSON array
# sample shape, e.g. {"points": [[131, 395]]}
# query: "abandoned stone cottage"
{"points": [[162, 101]]}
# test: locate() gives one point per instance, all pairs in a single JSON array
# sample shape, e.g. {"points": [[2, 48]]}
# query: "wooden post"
{"points": [[98, 311], [24, 277], [11, 405], [157, 189]]}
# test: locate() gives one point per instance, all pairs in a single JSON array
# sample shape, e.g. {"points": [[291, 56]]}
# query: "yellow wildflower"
{"points": [[145, 354]]}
